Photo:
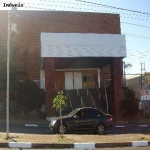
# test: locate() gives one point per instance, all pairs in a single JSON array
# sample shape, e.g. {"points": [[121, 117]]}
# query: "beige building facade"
{"points": [[138, 83]]}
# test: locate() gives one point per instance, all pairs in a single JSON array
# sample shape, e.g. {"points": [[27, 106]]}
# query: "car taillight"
{"points": [[110, 120]]}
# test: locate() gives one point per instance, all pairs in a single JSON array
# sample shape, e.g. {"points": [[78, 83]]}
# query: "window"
{"points": [[81, 114], [91, 113], [87, 78]]}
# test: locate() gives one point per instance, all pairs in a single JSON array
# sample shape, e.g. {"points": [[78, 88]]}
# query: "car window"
{"points": [[90, 113], [81, 114], [98, 113], [93, 113], [73, 112]]}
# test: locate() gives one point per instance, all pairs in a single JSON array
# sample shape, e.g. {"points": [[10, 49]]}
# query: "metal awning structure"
{"points": [[69, 45]]}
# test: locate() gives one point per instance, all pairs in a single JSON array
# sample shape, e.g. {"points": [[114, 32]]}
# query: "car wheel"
{"points": [[64, 130], [100, 129]]}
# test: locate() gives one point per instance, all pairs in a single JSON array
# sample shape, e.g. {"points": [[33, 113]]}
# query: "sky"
{"points": [[136, 26]]}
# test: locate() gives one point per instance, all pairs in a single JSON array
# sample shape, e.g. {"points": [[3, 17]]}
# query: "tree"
{"points": [[130, 103], [13, 71], [126, 66], [29, 95], [60, 102]]}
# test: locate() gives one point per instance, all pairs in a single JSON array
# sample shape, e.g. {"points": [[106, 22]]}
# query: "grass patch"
{"points": [[144, 139]]}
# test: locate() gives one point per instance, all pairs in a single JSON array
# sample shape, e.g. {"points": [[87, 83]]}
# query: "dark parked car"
{"points": [[81, 119]]}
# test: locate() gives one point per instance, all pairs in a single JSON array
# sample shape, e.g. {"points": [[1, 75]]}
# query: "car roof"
{"points": [[87, 108]]}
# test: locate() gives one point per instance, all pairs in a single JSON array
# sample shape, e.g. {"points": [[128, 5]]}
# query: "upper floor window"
{"points": [[87, 78]]}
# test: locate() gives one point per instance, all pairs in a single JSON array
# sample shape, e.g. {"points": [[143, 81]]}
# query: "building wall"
{"points": [[28, 43], [135, 84], [105, 73], [147, 81], [31, 23]]}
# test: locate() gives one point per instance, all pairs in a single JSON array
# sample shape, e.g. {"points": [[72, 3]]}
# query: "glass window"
{"points": [[81, 114], [87, 78], [98, 113], [90, 113]]}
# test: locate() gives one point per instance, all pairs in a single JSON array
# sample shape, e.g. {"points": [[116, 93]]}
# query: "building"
{"points": [[138, 83], [69, 51]]}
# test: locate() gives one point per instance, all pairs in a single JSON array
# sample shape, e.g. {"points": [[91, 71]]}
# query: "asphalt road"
{"points": [[43, 129]]}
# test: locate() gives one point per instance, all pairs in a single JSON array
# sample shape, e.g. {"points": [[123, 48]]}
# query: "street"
{"points": [[43, 129], [115, 131]]}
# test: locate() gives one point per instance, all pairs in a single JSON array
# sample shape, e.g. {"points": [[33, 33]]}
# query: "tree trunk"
{"points": [[61, 126]]}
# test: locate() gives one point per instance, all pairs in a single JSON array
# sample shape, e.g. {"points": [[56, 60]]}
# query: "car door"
{"points": [[81, 121], [92, 117]]}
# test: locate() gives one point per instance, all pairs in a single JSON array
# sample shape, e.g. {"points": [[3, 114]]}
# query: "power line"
{"points": [[121, 22], [91, 4], [87, 8], [134, 11], [128, 23], [136, 35], [77, 8], [92, 9]]}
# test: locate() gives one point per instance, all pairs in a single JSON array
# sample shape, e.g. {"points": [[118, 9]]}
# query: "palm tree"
{"points": [[126, 66]]}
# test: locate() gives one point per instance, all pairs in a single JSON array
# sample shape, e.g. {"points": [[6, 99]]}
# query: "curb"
{"points": [[3, 145], [111, 145], [40, 145], [75, 145], [19, 144]]}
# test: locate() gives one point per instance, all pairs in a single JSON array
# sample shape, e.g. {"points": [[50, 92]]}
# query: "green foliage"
{"points": [[13, 84], [30, 96], [60, 101], [130, 103], [129, 93], [130, 106]]}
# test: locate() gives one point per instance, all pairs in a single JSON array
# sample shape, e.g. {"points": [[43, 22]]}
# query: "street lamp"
{"points": [[11, 13]]}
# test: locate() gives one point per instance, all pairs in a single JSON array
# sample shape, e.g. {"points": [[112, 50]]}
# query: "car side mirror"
{"points": [[75, 116]]}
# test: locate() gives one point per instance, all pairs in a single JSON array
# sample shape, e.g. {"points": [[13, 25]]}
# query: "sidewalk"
{"points": [[74, 141], [131, 122]]}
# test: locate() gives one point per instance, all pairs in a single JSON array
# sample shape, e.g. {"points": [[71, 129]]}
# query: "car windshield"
{"points": [[73, 112]]}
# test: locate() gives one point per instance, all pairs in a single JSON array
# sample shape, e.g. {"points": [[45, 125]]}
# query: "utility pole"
{"points": [[142, 75], [124, 74], [7, 90], [11, 14]]}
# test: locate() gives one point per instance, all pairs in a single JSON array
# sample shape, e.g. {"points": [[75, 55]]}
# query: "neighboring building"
{"points": [[141, 85], [137, 83], [134, 82], [68, 51]]}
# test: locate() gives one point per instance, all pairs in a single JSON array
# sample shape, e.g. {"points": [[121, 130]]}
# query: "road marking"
{"points": [[143, 125], [120, 126], [31, 125]]}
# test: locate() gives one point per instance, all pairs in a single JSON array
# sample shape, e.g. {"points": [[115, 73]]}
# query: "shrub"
{"points": [[130, 106], [30, 96], [129, 93]]}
